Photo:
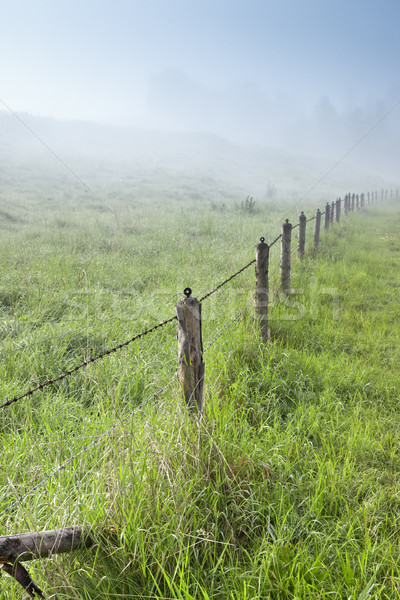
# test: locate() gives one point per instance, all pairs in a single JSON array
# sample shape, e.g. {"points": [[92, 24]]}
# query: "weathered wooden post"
{"points": [[317, 228], [301, 242], [358, 202], [286, 240], [368, 199], [345, 206], [15, 549], [190, 351], [362, 200], [353, 202], [337, 211], [332, 211], [261, 295], [327, 215], [30, 546]]}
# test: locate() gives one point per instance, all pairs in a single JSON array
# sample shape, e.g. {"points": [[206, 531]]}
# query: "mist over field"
{"points": [[247, 113], [254, 94], [112, 161], [161, 155]]}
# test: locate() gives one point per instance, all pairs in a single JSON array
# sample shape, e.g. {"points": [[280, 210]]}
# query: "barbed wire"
{"points": [[236, 317], [85, 363], [252, 262], [127, 317], [220, 333], [121, 421], [101, 436], [274, 271], [98, 322], [227, 280], [86, 448], [275, 240]]}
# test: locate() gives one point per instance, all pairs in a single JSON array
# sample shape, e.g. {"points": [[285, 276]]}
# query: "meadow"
{"points": [[287, 488]]}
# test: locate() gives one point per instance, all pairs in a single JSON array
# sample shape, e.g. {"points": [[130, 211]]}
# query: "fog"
{"points": [[63, 159], [368, 133], [248, 91]]}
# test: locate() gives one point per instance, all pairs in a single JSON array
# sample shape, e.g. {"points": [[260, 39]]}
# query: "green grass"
{"points": [[287, 489]]}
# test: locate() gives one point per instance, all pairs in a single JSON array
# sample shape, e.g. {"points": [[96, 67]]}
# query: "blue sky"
{"points": [[253, 70]]}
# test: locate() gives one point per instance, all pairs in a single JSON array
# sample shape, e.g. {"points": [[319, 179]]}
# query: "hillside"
{"points": [[81, 159]]}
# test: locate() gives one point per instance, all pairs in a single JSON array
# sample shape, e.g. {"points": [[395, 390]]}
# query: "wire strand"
{"points": [[84, 449], [85, 363], [56, 155], [236, 317], [227, 280]]}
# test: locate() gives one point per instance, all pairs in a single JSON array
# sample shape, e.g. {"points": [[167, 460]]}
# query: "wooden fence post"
{"points": [[337, 211], [317, 228], [332, 211], [261, 295], [15, 549], [285, 256], [353, 202], [30, 546], [345, 206], [301, 243], [190, 351], [327, 215]]}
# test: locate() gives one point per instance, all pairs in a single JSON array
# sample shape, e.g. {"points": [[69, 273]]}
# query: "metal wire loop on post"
{"points": [[85, 363]]}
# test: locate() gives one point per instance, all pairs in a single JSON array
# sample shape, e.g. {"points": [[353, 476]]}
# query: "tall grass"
{"points": [[286, 489]]}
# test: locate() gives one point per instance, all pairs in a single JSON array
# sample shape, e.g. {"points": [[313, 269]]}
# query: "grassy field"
{"points": [[287, 489]]}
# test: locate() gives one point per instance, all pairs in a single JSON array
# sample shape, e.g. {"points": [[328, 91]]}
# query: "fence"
{"points": [[191, 367]]}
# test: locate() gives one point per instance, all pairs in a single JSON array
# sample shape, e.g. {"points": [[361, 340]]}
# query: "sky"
{"points": [[319, 76]]}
